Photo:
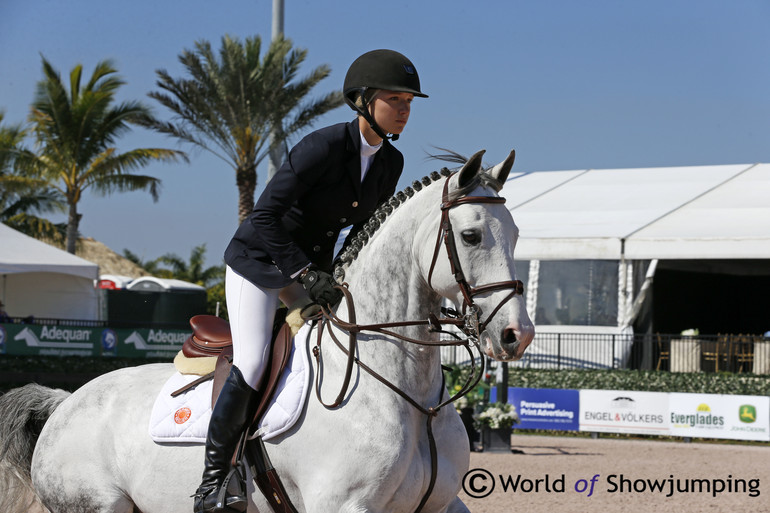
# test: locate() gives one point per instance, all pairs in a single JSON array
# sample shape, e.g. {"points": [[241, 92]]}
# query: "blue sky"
{"points": [[569, 84]]}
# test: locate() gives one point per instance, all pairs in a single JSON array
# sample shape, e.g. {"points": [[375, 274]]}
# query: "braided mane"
{"points": [[350, 251]]}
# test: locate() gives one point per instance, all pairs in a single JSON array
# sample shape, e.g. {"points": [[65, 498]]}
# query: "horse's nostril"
{"points": [[509, 336]]}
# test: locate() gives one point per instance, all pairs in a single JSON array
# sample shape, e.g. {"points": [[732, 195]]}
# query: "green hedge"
{"points": [[639, 380], [68, 372], [71, 372]]}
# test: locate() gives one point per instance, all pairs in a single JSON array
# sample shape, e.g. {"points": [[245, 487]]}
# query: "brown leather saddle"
{"points": [[211, 337]]}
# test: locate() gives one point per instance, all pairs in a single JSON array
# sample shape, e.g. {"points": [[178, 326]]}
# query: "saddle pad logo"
{"points": [[182, 415]]}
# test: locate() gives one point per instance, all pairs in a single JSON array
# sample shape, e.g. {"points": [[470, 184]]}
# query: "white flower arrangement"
{"points": [[498, 416], [462, 403]]}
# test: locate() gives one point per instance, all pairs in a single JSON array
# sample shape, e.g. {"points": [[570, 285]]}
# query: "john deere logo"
{"points": [[747, 413]]}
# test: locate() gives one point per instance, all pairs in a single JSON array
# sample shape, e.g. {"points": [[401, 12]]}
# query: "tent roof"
{"points": [[20, 253], [715, 212]]}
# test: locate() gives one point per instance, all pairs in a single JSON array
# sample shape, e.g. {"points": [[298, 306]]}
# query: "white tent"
{"points": [[645, 213], [40, 280], [607, 251], [713, 218]]}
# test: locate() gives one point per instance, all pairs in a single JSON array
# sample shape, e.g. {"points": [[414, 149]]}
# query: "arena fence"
{"points": [[675, 353], [664, 352]]}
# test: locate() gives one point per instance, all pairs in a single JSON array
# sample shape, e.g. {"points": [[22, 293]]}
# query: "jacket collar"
{"points": [[353, 145]]}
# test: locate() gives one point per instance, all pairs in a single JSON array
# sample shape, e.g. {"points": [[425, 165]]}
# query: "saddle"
{"points": [[211, 337]]}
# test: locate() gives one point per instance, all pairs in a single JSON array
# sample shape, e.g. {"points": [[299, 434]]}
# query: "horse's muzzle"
{"points": [[511, 345]]}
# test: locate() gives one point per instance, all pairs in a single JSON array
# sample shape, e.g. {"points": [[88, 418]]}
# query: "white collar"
{"points": [[367, 150]]}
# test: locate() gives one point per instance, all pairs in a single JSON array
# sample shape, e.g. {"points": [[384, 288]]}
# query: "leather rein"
{"points": [[468, 321]]}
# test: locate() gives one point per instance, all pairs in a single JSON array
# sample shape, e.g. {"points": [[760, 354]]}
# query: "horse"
{"points": [[447, 237]]}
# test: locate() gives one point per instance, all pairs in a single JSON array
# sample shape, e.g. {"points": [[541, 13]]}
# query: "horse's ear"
{"points": [[470, 169], [500, 171]]}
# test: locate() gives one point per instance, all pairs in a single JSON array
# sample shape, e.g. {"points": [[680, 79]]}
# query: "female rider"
{"points": [[333, 178]]}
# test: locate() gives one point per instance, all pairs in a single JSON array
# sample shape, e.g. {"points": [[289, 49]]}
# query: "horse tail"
{"points": [[23, 413]]}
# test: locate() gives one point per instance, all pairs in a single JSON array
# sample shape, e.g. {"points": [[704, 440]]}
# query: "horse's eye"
{"points": [[471, 237]]}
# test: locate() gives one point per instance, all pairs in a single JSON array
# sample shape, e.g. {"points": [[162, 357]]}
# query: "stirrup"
{"points": [[231, 496]]}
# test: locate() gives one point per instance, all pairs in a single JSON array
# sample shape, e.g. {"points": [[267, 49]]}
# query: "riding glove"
{"points": [[320, 287]]}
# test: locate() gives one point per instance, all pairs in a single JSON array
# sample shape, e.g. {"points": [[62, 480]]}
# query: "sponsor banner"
{"points": [[53, 340], [611, 411], [543, 408], [738, 417], [157, 343], [546, 408]]}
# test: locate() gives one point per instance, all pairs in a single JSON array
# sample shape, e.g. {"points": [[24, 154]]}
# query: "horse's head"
{"points": [[472, 262]]}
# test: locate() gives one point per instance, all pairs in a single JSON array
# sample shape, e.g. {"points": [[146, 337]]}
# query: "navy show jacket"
{"points": [[315, 194]]}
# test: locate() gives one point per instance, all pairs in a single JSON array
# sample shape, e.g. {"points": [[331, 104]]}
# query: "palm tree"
{"points": [[151, 266], [229, 105], [22, 197], [76, 132], [194, 270]]}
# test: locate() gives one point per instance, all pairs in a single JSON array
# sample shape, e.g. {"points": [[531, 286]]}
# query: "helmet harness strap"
{"points": [[364, 111]]}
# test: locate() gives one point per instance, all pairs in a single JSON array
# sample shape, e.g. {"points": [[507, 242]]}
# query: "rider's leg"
{"points": [[251, 310]]}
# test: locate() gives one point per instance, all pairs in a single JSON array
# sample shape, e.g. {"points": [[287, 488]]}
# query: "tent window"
{"points": [[578, 293]]}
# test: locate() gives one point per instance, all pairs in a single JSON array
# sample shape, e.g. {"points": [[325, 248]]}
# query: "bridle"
{"points": [[472, 312], [468, 321]]}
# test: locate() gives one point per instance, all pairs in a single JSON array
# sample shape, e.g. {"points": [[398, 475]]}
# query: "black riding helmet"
{"points": [[379, 69]]}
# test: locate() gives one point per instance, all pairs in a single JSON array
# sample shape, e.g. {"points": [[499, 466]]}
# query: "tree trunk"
{"points": [[246, 180], [73, 224]]}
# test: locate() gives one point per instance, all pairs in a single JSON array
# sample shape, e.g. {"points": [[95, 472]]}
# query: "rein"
{"points": [[468, 321]]}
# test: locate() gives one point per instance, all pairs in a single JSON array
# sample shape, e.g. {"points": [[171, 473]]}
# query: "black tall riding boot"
{"points": [[233, 409]]}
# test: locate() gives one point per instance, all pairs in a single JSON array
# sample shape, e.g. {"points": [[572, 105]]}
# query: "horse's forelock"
{"points": [[482, 179]]}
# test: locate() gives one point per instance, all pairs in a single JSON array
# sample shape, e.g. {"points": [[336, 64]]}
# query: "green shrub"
{"points": [[642, 380]]}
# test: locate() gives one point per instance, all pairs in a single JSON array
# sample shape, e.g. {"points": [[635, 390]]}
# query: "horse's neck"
{"points": [[387, 286]]}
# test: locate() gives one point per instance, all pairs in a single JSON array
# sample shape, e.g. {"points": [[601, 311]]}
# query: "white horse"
{"points": [[370, 454]]}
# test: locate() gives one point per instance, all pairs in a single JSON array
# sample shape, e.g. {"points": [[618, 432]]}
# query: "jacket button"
{"points": [[343, 219], [316, 248], [330, 234], [355, 204]]}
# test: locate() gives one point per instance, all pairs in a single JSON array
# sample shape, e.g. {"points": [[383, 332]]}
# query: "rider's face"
{"points": [[391, 110]]}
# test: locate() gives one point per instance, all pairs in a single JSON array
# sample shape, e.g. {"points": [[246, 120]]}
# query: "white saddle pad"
{"points": [[185, 418]]}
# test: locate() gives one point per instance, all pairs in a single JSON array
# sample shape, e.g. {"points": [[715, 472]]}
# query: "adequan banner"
{"points": [[53, 340], [737, 417]]}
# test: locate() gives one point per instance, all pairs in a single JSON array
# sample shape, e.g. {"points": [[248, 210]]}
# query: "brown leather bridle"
{"points": [[470, 324], [472, 312]]}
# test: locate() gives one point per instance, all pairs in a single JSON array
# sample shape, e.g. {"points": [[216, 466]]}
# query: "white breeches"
{"points": [[252, 310]]}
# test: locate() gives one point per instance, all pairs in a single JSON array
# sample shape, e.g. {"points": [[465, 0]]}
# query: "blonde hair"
{"points": [[366, 98]]}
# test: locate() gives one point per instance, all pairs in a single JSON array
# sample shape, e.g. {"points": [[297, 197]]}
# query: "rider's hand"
{"points": [[320, 287]]}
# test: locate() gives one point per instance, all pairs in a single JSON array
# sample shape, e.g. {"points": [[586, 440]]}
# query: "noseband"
{"points": [[473, 327]]}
